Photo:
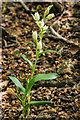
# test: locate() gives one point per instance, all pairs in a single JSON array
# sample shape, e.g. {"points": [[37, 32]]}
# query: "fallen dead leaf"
{"points": [[2, 84], [10, 91], [74, 50]]}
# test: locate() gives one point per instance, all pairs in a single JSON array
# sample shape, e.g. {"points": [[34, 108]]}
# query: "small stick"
{"points": [[62, 38], [27, 9]]}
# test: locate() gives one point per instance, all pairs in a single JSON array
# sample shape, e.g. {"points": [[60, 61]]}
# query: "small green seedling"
{"points": [[30, 81]]}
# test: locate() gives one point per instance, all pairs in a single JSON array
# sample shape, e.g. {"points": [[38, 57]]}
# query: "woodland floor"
{"points": [[17, 26]]}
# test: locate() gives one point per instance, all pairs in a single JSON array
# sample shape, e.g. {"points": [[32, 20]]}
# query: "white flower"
{"points": [[39, 45], [45, 28], [40, 23], [50, 16], [36, 16], [34, 35]]}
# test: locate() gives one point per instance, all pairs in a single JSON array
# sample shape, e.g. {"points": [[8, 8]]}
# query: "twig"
{"points": [[23, 4], [52, 36], [60, 37], [39, 114], [10, 45], [59, 17], [5, 43]]}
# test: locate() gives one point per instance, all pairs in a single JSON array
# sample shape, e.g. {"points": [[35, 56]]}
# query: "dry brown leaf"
{"points": [[2, 84], [69, 71], [10, 91], [74, 50]]}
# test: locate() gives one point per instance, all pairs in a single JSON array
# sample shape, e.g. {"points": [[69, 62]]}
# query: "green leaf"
{"points": [[39, 36], [47, 10], [38, 7], [17, 52], [39, 77], [18, 84], [48, 76], [37, 103], [60, 68], [25, 59], [30, 43], [30, 85], [25, 78], [26, 106], [47, 51], [19, 97]]}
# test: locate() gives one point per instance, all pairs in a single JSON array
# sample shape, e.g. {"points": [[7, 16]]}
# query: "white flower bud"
{"points": [[39, 45], [36, 16], [40, 23], [34, 35], [47, 10], [50, 16], [45, 27]]}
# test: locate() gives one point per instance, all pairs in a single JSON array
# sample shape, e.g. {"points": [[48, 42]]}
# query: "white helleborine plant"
{"points": [[36, 16], [34, 35], [39, 45], [30, 80]]}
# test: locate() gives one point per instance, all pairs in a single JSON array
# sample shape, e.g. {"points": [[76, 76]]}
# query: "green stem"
{"points": [[37, 52], [28, 111], [23, 111], [33, 70], [41, 34], [34, 63]]}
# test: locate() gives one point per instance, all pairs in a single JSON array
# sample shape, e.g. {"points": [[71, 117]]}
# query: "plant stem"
{"points": [[28, 111], [41, 34], [37, 52], [34, 63]]}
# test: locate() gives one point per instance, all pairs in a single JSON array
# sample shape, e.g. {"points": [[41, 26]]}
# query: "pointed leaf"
{"points": [[17, 52], [48, 76], [19, 97], [25, 59], [18, 84], [47, 51], [47, 10], [37, 103], [30, 43], [25, 78], [39, 77], [30, 85], [26, 106]]}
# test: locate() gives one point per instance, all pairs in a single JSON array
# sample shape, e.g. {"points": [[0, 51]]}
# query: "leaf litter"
{"points": [[65, 98]]}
